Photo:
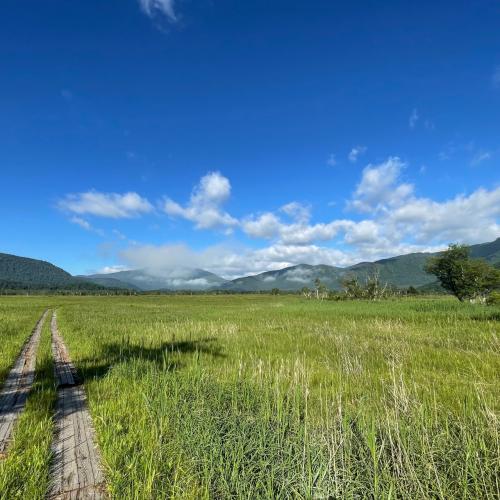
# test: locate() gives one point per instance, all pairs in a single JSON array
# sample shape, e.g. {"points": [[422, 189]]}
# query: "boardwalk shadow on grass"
{"points": [[167, 355]]}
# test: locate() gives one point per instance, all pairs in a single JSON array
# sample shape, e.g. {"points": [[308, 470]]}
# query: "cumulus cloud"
{"points": [[379, 188], [163, 7], [418, 225], [113, 205], [414, 116], [355, 153], [205, 204], [364, 232], [265, 226], [296, 231], [394, 220], [470, 219], [297, 211]]}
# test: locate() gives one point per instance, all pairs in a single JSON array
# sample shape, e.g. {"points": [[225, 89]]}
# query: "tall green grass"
{"points": [[17, 320], [258, 397]]}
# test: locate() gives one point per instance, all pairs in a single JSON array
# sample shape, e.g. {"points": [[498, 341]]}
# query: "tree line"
{"points": [[467, 279]]}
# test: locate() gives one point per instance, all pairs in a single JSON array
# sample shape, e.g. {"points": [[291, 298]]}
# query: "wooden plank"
{"points": [[76, 471], [18, 385]]}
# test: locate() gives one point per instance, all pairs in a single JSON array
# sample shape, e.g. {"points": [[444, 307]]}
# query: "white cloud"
{"points": [[297, 211], [355, 153], [111, 205], [81, 222], [479, 157], [396, 221], [298, 275], [204, 207], [164, 7], [469, 219], [378, 188], [364, 232], [112, 269], [331, 161], [417, 225], [412, 121], [297, 232], [85, 224], [265, 226], [230, 262]]}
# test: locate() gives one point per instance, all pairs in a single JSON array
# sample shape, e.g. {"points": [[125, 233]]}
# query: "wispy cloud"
{"points": [[81, 222], [331, 161], [479, 157], [162, 7], [414, 116], [355, 153], [85, 224], [112, 205]]}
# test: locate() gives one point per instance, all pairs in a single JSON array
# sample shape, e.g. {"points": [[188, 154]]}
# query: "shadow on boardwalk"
{"points": [[168, 355]]}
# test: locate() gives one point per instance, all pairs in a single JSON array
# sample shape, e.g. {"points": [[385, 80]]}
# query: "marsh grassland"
{"points": [[271, 397]]}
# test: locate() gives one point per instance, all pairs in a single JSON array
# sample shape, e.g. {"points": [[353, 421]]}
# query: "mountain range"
{"points": [[401, 271], [168, 279]]}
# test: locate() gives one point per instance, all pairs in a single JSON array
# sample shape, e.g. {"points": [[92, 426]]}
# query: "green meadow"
{"points": [[256, 396]]}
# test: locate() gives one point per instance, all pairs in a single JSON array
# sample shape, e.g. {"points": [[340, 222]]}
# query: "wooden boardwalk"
{"points": [[18, 385], [76, 472]]}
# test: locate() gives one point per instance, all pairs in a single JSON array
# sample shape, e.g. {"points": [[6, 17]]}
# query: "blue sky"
{"points": [[246, 136]]}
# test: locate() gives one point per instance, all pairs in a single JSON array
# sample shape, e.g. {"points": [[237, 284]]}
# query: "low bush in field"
{"points": [[493, 299]]}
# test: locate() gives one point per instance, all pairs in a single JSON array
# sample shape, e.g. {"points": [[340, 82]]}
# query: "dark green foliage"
{"points": [[461, 276], [21, 273], [493, 299], [352, 288]]}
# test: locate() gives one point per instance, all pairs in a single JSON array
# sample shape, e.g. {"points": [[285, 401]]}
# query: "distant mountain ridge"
{"points": [[401, 271], [170, 279], [25, 273]]}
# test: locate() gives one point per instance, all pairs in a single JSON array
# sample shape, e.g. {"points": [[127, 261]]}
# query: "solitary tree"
{"points": [[465, 278]]}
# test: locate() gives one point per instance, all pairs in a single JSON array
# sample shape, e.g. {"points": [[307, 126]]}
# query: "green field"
{"points": [[271, 397]]}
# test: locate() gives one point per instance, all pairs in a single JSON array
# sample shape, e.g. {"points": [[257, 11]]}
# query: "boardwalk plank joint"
{"points": [[76, 471]]}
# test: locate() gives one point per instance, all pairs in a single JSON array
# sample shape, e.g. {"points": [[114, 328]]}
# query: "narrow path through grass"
{"points": [[24, 474]]}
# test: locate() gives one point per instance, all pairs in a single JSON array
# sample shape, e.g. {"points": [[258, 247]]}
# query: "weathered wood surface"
{"points": [[18, 385], [76, 471]]}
